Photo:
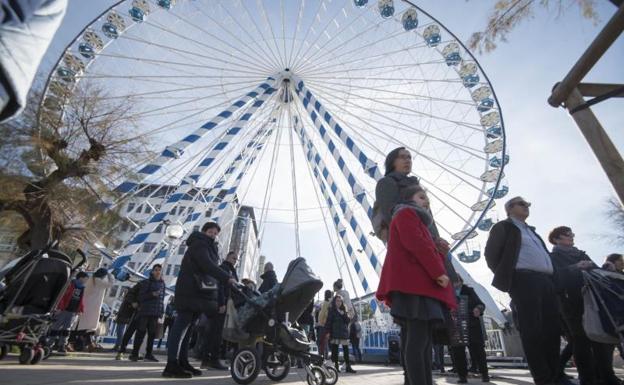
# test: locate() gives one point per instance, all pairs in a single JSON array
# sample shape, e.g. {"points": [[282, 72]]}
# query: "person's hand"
{"points": [[476, 312], [443, 280], [135, 305], [584, 265], [221, 309], [442, 246], [232, 281]]}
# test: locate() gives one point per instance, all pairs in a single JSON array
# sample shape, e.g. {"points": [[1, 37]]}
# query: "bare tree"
{"points": [[507, 14], [56, 167], [615, 214]]}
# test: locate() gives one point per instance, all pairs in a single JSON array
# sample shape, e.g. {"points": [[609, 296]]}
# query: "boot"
{"points": [[189, 368], [174, 370]]}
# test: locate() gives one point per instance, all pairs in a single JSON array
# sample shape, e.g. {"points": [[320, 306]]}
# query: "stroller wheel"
{"points": [[245, 366], [26, 355], [47, 351], [4, 350], [316, 376], [38, 355], [277, 366], [331, 375]]}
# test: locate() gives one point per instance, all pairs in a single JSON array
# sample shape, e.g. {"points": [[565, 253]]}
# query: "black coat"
{"points": [[269, 280], [337, 324], [150, 305], [126, 311], [569, 280], [199, 264], [475, 324], [224, 289], [502, 250]]}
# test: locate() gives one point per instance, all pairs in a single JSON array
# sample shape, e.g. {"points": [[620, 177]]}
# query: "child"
{"points": [[414, 281], [68, 309]]}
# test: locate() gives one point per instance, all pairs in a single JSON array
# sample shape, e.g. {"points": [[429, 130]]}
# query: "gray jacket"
{"points": [[26, 29]]}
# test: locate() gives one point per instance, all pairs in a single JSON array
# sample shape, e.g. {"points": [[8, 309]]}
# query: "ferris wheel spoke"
{"points": [[322, 32], [395, 107], [265, 17], [304, 58], [469, 150], [296, 29], [184, 52], [264, 39], [373, 131], [261, 57], [403, 94], [305, 38]]}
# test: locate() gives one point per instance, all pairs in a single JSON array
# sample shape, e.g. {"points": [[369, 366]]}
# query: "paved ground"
{"points": [[102, 369]]}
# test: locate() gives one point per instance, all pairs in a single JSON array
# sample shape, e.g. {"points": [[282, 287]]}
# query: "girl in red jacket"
{"points": [[414, 283]]}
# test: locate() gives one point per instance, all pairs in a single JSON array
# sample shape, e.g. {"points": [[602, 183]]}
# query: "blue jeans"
{"points": [[179, 336], [119, 332]]}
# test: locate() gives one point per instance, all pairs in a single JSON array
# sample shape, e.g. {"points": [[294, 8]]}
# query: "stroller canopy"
{"points": [[298, 289]]}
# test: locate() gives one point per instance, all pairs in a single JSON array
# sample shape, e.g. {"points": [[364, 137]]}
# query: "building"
{"points": [[239, 232]]}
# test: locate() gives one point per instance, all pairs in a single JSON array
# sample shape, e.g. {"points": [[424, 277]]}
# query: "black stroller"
{"points": [[603, 299], [30, 288], [266, 339]]}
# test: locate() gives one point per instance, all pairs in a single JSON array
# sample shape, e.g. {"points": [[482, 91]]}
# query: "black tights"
{"points": [[345, 352]]}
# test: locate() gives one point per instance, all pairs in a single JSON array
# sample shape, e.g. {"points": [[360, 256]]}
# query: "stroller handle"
{"points": [[83, 259]]}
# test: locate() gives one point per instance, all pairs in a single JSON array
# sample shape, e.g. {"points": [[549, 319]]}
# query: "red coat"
{"points": [[412, 262], [64, 302]]}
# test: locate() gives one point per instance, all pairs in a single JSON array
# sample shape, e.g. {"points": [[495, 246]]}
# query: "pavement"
{"points": [[102, 369]]}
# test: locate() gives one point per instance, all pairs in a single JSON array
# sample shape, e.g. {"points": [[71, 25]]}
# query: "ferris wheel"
{"points": [[291, 108]]}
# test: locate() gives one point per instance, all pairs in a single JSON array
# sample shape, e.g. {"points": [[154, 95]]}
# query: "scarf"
{"points": [[423, 214]]}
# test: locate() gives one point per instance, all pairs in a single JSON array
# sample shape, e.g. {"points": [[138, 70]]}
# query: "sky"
{"points": [[551, 164]]}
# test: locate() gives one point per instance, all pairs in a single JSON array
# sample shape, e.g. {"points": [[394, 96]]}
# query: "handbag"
{"points": [[207, 284]]}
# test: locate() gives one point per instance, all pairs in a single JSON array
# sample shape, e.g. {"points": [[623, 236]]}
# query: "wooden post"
{"points": [[600, 143]]}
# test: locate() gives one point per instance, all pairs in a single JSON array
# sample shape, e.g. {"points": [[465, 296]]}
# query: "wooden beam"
{"points": [[598, 89], [600, 143], [586, 62]]}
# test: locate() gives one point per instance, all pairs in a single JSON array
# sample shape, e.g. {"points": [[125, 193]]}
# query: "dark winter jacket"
{"points": [[199, 265], [502, 250], [151, 295], [269, 280], [475, 324], [569, 279], [306, 317], [337, 324], [224, 290], [126, 311]]}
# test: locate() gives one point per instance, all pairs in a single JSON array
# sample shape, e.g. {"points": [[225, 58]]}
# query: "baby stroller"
{"points": [[31, 288], [603, 299], [266, 338]]}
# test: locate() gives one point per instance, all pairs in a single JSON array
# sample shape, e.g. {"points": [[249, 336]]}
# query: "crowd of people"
{"points": [[418, 283], [423, 291]]}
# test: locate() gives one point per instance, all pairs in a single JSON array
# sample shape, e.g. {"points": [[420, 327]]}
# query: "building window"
{"points": [[176, 270], [158, 228], [138, 210], [131, 206], [168, 270], [208, 213], [148, 209], [148, 247], [113, 291], [172, 211], [181, 210], [181, 249]]}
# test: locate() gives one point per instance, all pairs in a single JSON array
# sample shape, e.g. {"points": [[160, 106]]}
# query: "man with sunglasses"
{"points": [[523, 268]]}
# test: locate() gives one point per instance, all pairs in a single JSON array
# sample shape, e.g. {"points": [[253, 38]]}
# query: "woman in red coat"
{"points": [[414, 283]]}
